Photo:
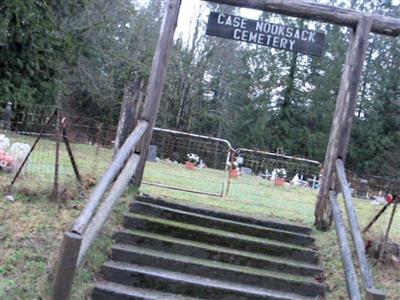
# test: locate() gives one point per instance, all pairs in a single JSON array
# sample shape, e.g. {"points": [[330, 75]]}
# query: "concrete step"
{"points": [[223, 224], [219, 237], [200, 250], [271, 223], [106, 290], [186, 284], [305, 286]]}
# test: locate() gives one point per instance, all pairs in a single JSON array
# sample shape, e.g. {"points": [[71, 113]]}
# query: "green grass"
{"points": [[31, 228], [257, 197], [39, 172]]}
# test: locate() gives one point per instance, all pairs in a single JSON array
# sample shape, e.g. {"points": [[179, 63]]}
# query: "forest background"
{"points": [[81, 54]]}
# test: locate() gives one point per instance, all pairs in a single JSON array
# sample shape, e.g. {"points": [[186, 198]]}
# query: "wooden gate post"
{"points": [[342, 119], [66, 266], [157, 79], [129, 115]]}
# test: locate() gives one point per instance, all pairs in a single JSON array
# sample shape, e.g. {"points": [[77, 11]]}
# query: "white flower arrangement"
{"points": [[281, 173], [193, 158]]}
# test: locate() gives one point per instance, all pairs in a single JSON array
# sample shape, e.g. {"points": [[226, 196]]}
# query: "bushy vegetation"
{"points": [[80, 54]]}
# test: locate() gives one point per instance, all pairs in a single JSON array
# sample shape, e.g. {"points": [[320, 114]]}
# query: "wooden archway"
{"points": [[361, 25]]}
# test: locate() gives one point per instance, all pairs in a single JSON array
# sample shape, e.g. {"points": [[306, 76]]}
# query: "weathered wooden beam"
{"points": [[157, 78], [373, 294], [354, 227], [114, 169], [349, 271], [320, 12], [106, 207], [341, 124], [66, 266], [128, 117]]}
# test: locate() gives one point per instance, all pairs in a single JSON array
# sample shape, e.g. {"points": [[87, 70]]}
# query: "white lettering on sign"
{"points": [[287, 34], [266, 34], [236, 22], [263, 39]]}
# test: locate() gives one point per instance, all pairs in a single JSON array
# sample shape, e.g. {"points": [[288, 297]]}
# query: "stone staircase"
{"points": [[173, 251]]}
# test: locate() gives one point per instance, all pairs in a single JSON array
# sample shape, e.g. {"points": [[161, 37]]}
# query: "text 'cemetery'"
{"points": [[266, 34]]}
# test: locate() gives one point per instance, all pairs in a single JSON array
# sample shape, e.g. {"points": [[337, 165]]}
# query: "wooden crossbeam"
{"points": [[319, 12]]}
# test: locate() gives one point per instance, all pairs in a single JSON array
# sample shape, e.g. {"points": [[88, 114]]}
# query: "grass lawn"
{"points": [[31, 228]]}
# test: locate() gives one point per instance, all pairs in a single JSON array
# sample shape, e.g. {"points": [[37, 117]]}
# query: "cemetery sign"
{"points": [[266, 34]]}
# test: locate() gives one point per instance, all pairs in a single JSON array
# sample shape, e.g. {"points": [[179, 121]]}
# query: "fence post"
{"points": [[66, 266], [374, 294], [157, 77], [57, 158], [99, 134], [342, 119], [128, 117]]}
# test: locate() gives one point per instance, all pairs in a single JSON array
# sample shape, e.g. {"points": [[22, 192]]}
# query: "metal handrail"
{"points": [[281, 156]]}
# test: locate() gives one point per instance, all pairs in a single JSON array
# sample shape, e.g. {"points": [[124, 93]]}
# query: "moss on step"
{"points": [[217, 232], [253, 255], [215, 264]]}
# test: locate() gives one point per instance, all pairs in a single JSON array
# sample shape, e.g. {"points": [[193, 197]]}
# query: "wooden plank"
{"points": [[106, 207], [374, 294], [113, 170], [128, 117], [157, 77], [354, 227], [66, 266], [319, 12], [266, 34], [349, 271], [344, 112]]}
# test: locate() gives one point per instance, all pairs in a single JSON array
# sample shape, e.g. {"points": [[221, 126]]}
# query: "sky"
{"points": [[192, 9]]}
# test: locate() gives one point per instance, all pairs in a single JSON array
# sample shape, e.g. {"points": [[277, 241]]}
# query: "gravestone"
{"points": [[363, 188], [152, 154], [246, 171], [7, 117]]}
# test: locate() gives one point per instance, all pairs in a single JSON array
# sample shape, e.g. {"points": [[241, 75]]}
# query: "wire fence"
{"points": [[168, 166], [188, 162], [90, 143]]}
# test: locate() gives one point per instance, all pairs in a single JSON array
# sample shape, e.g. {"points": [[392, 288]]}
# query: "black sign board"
{"points": [[266, 34]]}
